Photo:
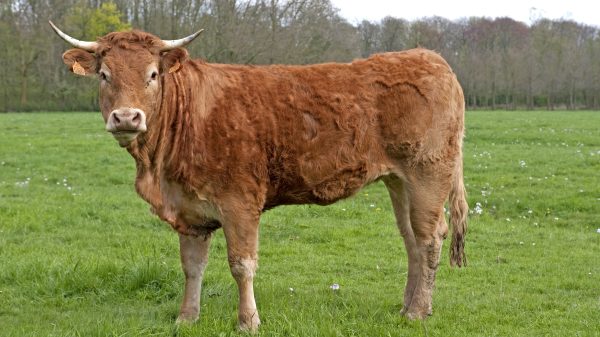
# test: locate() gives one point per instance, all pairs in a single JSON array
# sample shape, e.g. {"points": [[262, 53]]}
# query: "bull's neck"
{"points": [[167, 149]]}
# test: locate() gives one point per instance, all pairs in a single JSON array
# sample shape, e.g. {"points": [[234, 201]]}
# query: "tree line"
{"points": [[501, 63]]}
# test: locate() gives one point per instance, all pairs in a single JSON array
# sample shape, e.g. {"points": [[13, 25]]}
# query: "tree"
{"points": [[501, 63], [105, 19], [394, 34], [370, 37], [90, 23]]}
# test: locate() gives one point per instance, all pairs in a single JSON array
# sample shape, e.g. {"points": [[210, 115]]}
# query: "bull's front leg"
{"points": [[194, 257], [241, 233]]}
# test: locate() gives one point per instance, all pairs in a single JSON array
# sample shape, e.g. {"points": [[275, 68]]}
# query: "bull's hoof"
{"points": [[404, 310], [249, 323], [186, 319], [415, 314]]}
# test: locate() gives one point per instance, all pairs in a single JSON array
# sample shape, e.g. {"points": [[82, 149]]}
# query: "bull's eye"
{"points": [[154, 76], [102, 76]]}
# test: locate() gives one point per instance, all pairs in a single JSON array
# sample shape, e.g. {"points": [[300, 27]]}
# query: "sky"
{"points": [[584, 11]]}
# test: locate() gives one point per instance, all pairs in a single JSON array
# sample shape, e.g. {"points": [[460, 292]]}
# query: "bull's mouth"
{"points": [[125, 137]]}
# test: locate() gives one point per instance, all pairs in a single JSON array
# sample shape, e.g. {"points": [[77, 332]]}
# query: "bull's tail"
{"points": [[458, 216]]}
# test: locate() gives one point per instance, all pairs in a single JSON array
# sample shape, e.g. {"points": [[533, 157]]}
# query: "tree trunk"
{"points": [[493, 95], [529, 93], [136, 11], [26, 62], [274, 23], [572, 96], [173, 18], [23, 100]]}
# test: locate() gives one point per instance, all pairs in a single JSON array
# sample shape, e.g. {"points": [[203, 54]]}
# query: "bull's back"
{"points": [[400, 103], [327, 130]]}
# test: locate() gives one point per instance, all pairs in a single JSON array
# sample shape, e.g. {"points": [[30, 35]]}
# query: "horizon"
{"points": [[526, 11]]}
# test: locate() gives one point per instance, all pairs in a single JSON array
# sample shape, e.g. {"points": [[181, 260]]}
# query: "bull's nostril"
{"points": [[126, 120]]}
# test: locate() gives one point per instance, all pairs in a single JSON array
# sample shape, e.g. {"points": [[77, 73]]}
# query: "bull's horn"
{"points": [[85, 45], [172, 44]]}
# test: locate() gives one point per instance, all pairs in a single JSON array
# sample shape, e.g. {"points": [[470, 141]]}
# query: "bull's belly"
{"points": [[319, 197], [303, 198], [327, 190]]}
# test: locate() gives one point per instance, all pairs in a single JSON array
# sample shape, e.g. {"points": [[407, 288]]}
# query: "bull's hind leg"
{"points": [[400, 202], [194, 257], [426, 198]]}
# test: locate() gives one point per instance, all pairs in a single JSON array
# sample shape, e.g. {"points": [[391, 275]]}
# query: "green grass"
{"points": [[81, 255]]}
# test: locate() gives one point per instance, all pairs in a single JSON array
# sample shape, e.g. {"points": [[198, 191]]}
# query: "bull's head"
{"points": [[130, 66]]}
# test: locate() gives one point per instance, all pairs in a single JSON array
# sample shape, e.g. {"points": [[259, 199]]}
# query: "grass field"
{"points": [[81, 255]]}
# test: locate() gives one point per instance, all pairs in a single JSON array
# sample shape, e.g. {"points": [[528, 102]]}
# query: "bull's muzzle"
{"points": [[125, 124]]}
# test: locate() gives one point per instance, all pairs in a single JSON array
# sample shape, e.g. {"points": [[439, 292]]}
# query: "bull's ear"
{"points": [[80, 62], [172, 60]]}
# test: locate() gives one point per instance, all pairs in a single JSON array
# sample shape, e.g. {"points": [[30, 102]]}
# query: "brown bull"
{"points": [[216, 145]]}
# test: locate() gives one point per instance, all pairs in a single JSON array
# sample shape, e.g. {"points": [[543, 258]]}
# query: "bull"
{"points": [[216, 145]]}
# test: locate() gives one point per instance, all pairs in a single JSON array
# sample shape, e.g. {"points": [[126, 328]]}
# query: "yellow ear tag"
{"points": [[78, 69], [175, 67]]}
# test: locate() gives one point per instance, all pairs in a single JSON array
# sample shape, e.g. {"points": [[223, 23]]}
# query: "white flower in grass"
{"points": [[478, 209], [291, 289], [522, 163], [23, 183], [335, 287], [598, 230]]}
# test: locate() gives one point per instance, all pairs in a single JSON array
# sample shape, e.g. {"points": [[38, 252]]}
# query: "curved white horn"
{"points": [[85, 45], [172, 44]]}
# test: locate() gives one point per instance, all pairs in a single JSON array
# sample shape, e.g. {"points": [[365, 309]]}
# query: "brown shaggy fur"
{"points": [[226, 142]]}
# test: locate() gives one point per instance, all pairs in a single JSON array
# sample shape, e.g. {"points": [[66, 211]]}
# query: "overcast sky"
{"points": [[585, 11]]}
